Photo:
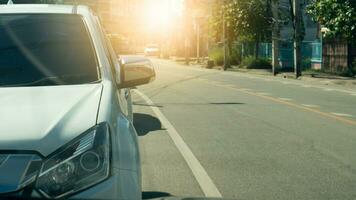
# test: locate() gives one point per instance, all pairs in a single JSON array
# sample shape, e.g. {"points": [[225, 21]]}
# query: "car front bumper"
{"points": [[121, 185]]}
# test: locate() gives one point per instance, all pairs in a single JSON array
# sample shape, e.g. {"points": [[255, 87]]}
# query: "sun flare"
{"points": [[160, 14]]}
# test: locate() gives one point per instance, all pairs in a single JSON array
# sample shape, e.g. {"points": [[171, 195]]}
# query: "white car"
{"points": [[66, 126], [152, 50]]}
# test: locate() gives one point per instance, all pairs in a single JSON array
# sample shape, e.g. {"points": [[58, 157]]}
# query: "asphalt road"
{"points": [[211, 133]]}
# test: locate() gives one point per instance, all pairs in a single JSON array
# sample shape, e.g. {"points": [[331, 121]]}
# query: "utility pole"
{"points": [[226, 50], [275, 37], [186, 39], [297, 37], [198, 38]]}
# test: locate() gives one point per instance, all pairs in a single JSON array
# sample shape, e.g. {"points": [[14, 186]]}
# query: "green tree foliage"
{"points": [[339, 16], [246, 20]]}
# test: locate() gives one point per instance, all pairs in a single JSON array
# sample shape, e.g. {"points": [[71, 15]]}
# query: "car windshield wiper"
{"points": [[56, 80]]}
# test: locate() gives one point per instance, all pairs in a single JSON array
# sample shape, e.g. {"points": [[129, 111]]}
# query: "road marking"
{"points": [[264, 93], [214, 82], [342, 114], [285, 99], [353, 94], [328, 89], [205, 182], [229, 85], [328, 115], [306, 86], [310, 105], [245, 89]]}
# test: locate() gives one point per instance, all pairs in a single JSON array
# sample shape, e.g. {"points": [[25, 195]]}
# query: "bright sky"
{"points": [[161, 13]]}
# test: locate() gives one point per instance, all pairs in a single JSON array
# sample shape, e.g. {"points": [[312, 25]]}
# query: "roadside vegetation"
{"points": [[252, 22], [244, 21], [216, 54]]}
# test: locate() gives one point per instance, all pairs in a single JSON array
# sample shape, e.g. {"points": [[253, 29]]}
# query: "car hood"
{"points": [[42, 119]]}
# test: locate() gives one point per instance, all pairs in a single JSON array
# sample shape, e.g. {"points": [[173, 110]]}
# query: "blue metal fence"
{"points": [[317, 52], [311, 52]]}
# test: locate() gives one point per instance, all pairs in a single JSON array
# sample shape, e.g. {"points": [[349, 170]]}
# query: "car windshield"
{"points": [[45, 49]]}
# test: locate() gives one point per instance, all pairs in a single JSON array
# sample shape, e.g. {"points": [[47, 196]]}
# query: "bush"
{"points": [[306, 64], [350, 71], [251, 62], [345, 73], [235, 57], [353, 67], [210, 64], [217, 55]]}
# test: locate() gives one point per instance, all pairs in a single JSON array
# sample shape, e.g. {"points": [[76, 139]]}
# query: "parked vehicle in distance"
{"points": [[66, 119], [152, 50]]}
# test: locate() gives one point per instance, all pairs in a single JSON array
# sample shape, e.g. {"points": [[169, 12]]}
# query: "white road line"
{"points": [[205, 182], [245, 89], [264, 93], [285, 99], [229, 85], [310, 105], [306, 86], [213, 82], [353, 94], [328, 89], [342, 114]]}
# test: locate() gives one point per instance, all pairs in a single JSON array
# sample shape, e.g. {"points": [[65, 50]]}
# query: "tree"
{"points": [[246, 20], [339, 16], [252, 21]]}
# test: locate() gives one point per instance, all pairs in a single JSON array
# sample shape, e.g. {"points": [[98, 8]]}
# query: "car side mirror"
{"points": [[135, 71]]}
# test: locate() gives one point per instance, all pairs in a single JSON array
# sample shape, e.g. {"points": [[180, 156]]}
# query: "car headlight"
{"points": [[78, 165]]}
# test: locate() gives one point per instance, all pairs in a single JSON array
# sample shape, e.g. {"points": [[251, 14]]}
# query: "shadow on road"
{"points": [[331, 77], [145, 123], [227, 103], [189, 104], [144, 104], [154, 194]]}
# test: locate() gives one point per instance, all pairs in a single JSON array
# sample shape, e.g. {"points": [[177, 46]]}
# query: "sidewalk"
{"points": [[311, 78], [314, 78]]}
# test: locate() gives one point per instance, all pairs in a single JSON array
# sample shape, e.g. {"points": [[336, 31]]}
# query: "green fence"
{"points": [[317, 52], [311, 52]]}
